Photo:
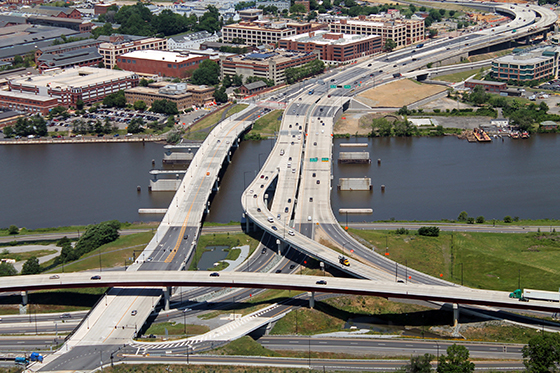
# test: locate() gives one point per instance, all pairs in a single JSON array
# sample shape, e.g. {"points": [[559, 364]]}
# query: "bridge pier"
{"points": [[24, 302], [229, 157], [207, 208], [246, 222], [166, 295], [455, 314], [216, 185], [312, 299]]}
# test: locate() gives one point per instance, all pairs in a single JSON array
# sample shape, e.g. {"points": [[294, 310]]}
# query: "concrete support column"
{"points": [[166, 295], [216, 185], [229, 157], [24, 298], [455, 314], [207, 209], [312, 300], [246, 223]]}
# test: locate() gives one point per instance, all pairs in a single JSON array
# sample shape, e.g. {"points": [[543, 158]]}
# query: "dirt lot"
{"points": [[355, 122], [398, 94]]}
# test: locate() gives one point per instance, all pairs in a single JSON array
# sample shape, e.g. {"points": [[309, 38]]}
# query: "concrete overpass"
{"points": [[134, 281]]}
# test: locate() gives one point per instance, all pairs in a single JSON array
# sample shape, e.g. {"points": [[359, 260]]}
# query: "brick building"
{"points": [[75, 58], [67, 47], [252, 88], [27, 102], [67, 87], [493, 87], [402, 31], [333, 48], [305, 4], [54, 11], [265, 65], [184, 95], [23, 2], [10, 117], [71, 23], [101, 8], [117, 45], [161, 63]]}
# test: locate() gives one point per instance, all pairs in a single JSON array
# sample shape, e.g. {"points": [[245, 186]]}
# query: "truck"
{"points": [[343, 260], [397, 75], [35, 356], [20, 360], [531, 294]]}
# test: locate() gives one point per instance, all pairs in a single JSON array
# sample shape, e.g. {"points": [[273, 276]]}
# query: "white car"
{"points": [[291, 233]]}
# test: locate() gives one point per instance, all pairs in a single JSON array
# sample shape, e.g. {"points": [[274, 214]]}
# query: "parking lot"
{"points": [[117, 117]]}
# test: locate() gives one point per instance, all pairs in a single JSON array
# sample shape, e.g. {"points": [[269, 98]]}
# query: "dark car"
{"points": [[321, 282], [318, 181], [214, 274], [185, 236], [96, 277], [274, 228]]}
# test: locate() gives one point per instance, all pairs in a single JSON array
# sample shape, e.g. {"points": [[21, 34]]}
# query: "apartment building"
{"points": [[257, 32], [402, 31], [333, 48], [184, 95], [117, 45]]}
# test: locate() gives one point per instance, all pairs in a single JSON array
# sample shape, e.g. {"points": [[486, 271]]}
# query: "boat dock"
{"points": [[355, 211], [354, 145]]}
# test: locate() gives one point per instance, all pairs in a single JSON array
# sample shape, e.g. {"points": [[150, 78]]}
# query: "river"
{"points": [[425, 179]]}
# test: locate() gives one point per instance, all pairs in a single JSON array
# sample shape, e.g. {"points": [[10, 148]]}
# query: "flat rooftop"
{"points": [[27, 96], [160, 56], [77, 77], [264, 58], [319, 38]]}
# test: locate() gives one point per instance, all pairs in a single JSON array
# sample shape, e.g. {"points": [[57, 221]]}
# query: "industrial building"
{"points": [[75, 58], [191, 41]]}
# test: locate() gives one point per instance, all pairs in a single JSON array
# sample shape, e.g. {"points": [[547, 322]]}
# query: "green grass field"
{"points": [[484, 260], [176, 329], [196, 132], [112, 254], [221, 239], [6, 254], [458, 77], [267, 125]]}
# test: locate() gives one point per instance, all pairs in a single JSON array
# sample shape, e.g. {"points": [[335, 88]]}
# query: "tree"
{"points": [[390, 44], [7, 269], [442, 12], [208, 73], [463, 216], [97, 235], [312, 15], [456, 361], [140, 105], [116, 99], [79, 104], [136, 125], [31, 266], [237, 80], [8, 131], [382, 127], [297, 9], [143, 83], [18, 60], [210, 20], [418, 364], [164, 107], [480, 219], [542, 353], [101, 65], [428, 231], [13, 229], [220, 95], [451, 13], [508, 219]]}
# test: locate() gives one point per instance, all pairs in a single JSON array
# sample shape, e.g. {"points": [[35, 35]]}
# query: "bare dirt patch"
{"points": [[354, 123], [398, 94]]}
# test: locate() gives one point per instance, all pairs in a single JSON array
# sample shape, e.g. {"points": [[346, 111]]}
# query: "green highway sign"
{"points": [[324, 159], [313, 159], [347, 86], [333, 85]]}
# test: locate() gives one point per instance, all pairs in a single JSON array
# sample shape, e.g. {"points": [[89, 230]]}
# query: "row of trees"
{"points": [[138, 20], [95, 236], [382, 127], [35, 125], [293, 74]]}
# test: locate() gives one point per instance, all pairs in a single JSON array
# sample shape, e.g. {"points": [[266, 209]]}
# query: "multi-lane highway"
{"points": [[289, 200]]}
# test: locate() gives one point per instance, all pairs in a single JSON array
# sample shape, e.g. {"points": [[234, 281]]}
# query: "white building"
{"points": [[191, 41]]}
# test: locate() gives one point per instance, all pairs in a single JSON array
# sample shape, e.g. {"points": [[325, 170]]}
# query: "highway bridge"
{"points": [[289, 199], [135, 281]]}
